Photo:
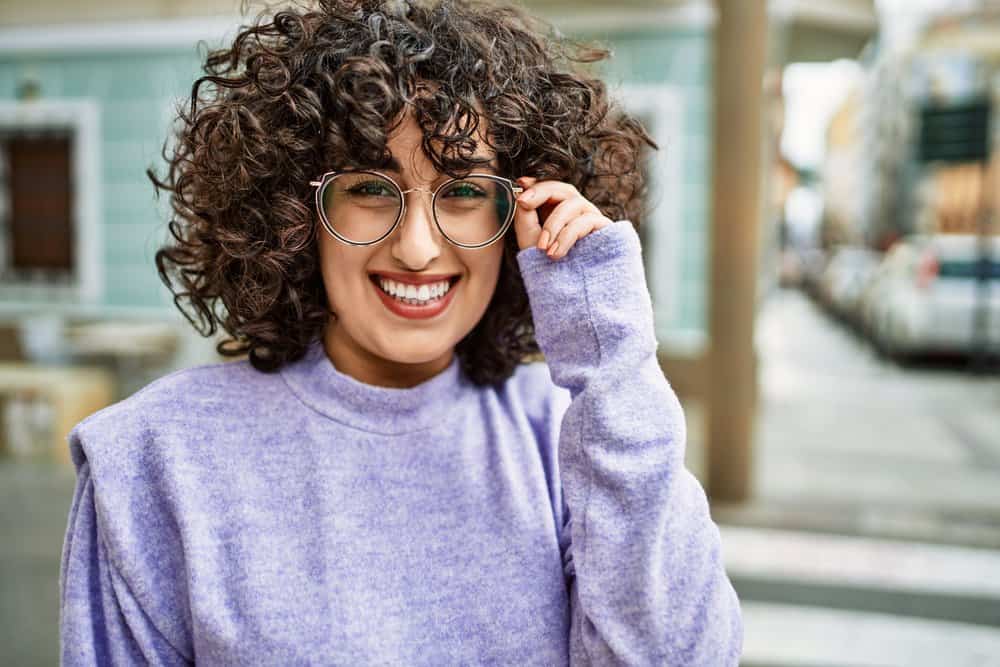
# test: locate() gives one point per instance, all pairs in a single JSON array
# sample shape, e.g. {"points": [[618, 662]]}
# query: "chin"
{"points": [[415, 355]]}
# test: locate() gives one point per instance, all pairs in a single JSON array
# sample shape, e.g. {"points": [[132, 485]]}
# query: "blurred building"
{"points": [[934, 59], [815, 32], [841, 172], [87, 92]]}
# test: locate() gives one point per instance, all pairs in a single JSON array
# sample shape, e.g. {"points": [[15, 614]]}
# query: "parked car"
{"points": [[872, 300], [813, 261], [924, 296], [846, 274]]}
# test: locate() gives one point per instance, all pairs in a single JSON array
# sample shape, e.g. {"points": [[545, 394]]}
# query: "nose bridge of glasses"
{"points": [[430, 192], [405, 211], [405, 192]]}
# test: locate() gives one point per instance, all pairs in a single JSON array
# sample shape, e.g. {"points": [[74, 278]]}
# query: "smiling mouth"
{"points": [[376, 280]]}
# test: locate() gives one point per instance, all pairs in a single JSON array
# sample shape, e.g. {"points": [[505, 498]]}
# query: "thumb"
{"points": [[526, 224]]}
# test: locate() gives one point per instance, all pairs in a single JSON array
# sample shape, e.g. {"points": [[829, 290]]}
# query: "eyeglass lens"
{"points": [[362, 207]]}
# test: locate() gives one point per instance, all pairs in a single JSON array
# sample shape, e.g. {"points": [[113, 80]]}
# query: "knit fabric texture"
{"points": [[227, 516]]}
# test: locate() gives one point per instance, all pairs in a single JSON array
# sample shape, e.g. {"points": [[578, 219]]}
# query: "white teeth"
{"points": [[414, 293]]}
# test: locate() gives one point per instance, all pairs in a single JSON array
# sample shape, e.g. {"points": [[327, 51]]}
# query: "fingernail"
{"points": [[553, 248], [526, 195], [543, 240]]}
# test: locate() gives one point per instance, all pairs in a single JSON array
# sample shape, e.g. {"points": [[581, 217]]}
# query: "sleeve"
{"points": [[641, 553], [100, 620]]}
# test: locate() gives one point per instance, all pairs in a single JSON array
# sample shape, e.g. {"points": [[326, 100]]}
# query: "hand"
{"points": [[568, 216]]}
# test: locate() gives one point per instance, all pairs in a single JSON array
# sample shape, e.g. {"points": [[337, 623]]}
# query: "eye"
{"points": [[372, 187], [464, 189]]}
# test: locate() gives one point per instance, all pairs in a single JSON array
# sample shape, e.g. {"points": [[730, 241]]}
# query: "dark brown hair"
{"points": [[321, 87]]}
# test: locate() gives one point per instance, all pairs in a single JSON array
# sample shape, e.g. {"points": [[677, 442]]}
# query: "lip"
{"points": [[414, 312]]}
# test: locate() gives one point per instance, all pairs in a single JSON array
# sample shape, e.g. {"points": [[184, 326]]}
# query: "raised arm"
{"points": [[641, 552]]}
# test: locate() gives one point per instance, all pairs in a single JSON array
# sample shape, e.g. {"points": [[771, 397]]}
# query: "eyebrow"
{"points": [[392, 164]]}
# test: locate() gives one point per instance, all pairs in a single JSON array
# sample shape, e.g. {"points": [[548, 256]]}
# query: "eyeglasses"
{"points": [[362, 207]]}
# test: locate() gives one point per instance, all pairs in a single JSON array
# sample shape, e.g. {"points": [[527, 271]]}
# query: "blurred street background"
{"points": [[822, 250]]}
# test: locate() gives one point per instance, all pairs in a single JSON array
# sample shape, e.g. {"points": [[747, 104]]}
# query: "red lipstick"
{"points": [[411, 311]]}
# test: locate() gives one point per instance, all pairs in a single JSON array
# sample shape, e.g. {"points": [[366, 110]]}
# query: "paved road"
{"points": [[851, 442], [34, 507]]}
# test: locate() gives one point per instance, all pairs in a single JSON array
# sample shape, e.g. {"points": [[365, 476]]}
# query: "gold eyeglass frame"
{"points": [[321, 184]]}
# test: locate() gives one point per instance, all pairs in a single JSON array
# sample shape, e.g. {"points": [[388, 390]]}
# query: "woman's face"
{"points": [[368, 340]]}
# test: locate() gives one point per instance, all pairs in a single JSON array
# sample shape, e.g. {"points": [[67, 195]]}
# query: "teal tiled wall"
{"points": [[134, 91], [680, 57]]}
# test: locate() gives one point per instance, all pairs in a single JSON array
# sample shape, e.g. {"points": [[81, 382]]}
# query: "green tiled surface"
{"points": [[681, 58], [123, 159], [137, 92], [131, 244], [134, 284]]}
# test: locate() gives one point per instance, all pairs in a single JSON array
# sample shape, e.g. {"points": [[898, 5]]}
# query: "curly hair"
{"points": [[316, 88]]}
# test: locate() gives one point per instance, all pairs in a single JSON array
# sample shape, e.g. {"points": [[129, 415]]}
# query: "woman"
{"points": [[387, 478]]}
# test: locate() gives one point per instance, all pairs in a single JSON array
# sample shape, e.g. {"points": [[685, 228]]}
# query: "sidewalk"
{"points": [[806, 636], [873, 534], [834, 600], [848, 443]]}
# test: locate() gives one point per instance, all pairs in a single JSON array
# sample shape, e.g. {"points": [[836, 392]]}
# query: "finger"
{"points": [[542, 192], [526, 224], [562, 215], [526, 181], [527, 228], [574, 231]]}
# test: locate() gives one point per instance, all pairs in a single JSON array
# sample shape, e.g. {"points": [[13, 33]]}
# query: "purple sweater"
{"points": [[230, 516]]}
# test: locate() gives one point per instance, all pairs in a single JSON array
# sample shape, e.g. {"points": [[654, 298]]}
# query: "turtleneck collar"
{"points": [[386, 410]]}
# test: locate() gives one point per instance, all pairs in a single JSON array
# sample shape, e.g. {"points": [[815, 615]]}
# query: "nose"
{"points": [[417, 240]]}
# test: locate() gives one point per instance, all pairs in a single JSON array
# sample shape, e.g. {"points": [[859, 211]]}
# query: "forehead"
{"points": [[405, 144]]}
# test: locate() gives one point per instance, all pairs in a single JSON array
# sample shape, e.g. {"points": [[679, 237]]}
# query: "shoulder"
{"points": [[181, 399], [144, 486]]}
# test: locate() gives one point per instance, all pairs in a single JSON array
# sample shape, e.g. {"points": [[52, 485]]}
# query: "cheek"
{"points": [[487, 270], [340, 272], [330, 269], [494, 258]]}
